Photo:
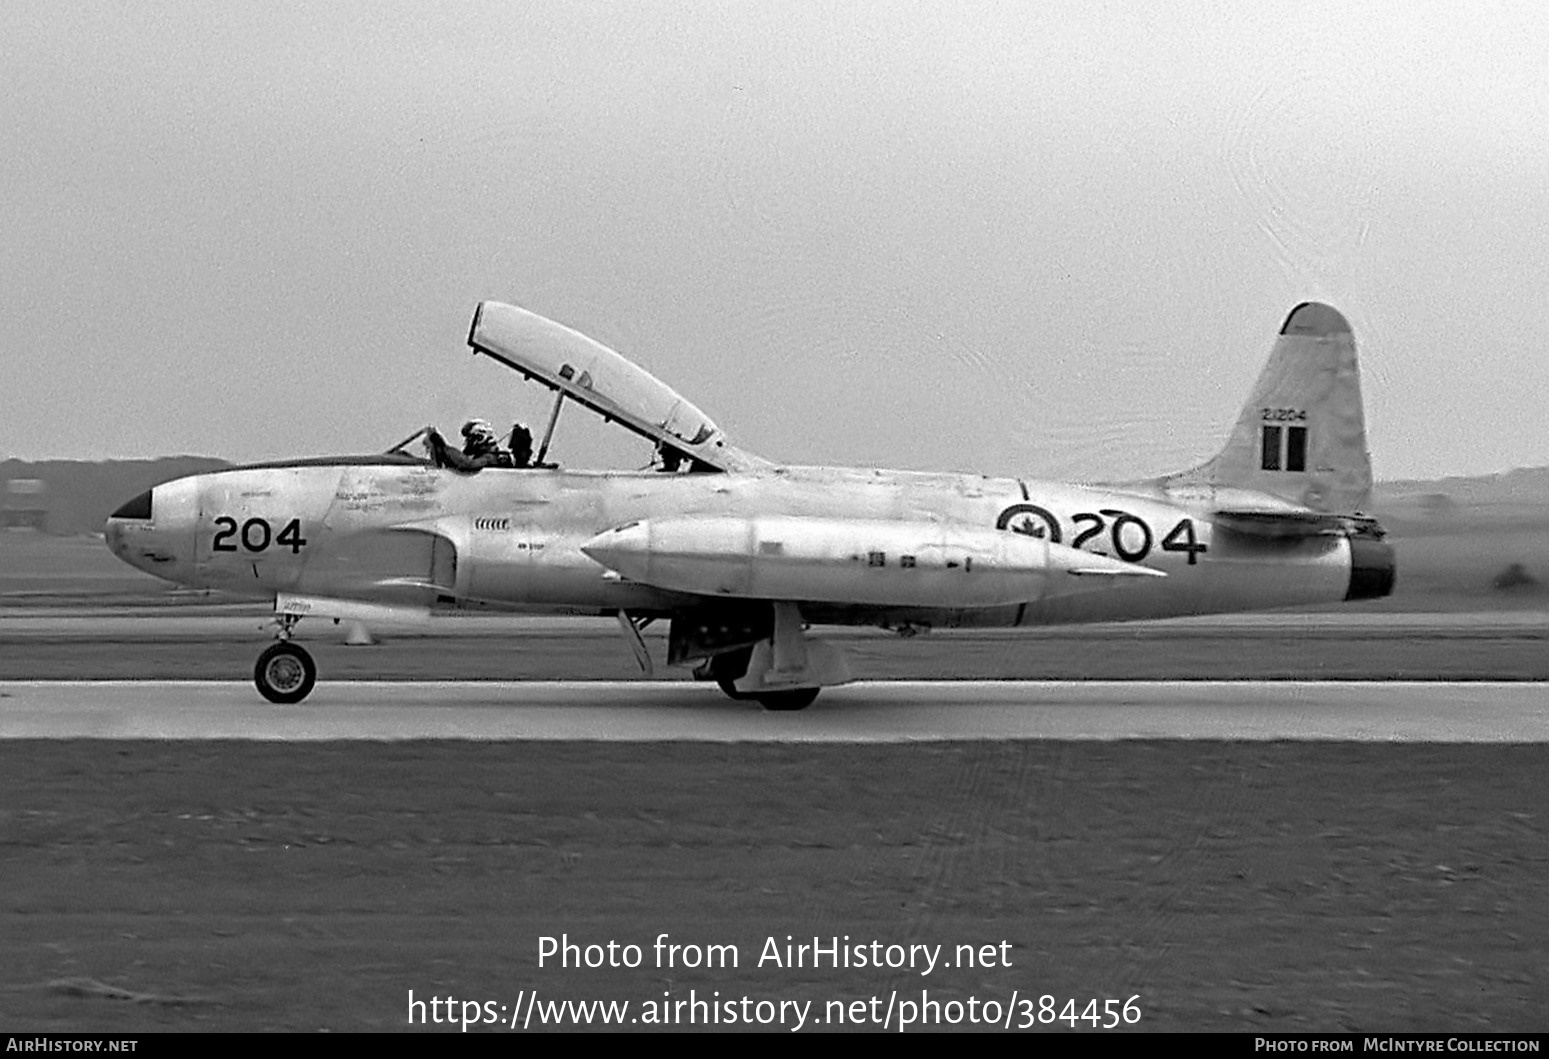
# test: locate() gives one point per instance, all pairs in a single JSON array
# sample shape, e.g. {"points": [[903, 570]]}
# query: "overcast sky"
{"points": [[1040, 239]]}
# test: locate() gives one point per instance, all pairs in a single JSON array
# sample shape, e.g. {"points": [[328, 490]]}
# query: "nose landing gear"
{"points": [[285, 671]]}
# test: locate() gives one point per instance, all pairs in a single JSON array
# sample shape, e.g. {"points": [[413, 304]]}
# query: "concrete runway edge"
{"points": [[865, 712]]}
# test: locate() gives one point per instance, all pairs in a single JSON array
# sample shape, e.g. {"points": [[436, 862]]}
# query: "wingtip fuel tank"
{"points": [[880, 563]]}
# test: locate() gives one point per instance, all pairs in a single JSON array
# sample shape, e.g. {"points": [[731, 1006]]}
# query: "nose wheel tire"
{"points": [[285, 674]]}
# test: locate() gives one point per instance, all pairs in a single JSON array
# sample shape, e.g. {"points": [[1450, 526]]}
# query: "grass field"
{"points": [[1262, 887]]}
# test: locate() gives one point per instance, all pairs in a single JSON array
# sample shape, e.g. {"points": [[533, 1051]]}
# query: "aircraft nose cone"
{"points": [[116, 531], [154, 531], [137, 510]]}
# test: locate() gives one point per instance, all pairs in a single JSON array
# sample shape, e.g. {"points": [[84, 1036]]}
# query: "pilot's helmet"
{"points": [[479, 430]]}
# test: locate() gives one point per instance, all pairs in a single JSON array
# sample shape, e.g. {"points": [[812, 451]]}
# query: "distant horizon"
{"points": [[1529, 469]]}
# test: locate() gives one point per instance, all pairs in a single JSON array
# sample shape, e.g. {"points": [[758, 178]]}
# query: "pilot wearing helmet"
{"points": [[481, 447]]}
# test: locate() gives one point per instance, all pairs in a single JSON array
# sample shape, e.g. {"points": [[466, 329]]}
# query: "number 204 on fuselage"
{"points": [[745, 557]]}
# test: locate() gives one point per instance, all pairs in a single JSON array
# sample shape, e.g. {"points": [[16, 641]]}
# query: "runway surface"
{"points": [[196, 622], [867, 712]]}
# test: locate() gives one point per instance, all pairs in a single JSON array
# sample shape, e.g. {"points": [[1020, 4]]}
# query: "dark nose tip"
{"points": [[139, 507]]}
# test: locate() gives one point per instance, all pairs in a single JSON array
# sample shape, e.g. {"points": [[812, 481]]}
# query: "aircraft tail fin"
{"points": [[1302, 435]]}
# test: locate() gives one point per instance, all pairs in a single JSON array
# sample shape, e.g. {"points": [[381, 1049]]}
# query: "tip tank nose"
{"points": [[621, 542]]}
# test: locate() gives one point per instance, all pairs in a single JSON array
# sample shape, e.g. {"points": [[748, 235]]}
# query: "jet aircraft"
{"points": [[745, 557]]}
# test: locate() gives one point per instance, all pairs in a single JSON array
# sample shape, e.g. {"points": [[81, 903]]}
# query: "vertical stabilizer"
{"points": [[1302, 435]]}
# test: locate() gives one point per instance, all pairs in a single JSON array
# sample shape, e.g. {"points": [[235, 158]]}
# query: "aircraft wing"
{"points": [[604, 381]]}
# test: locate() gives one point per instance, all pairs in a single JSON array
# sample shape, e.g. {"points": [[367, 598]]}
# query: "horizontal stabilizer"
{"points": [[1289, 524]]}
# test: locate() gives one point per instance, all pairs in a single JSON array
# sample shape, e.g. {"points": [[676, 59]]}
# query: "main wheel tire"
{"points": [[726, 669], [796, 699], [285, 674]]}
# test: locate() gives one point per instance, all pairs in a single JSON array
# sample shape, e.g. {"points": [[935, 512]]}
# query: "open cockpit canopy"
{"points": [[587, 372]]}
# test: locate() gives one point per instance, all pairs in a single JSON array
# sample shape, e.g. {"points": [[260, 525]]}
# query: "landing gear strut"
{"points": [[285, 672]]}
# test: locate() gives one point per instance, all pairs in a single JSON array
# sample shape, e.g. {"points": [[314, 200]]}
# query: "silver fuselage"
{"points": [[400, 532]]}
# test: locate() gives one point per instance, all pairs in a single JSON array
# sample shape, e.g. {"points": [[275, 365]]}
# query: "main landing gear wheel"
{"points": [[796, 699], [726, 668], [285, 673], [729, 689]]}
